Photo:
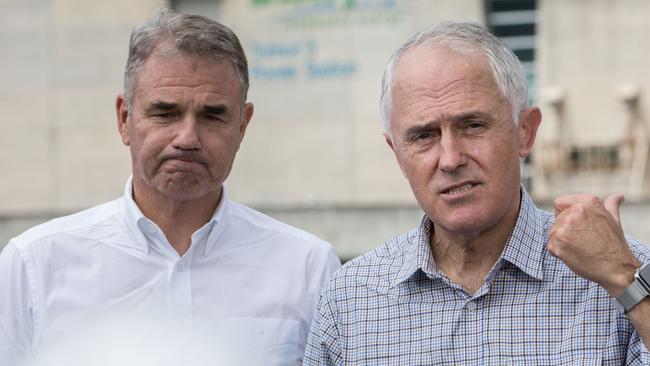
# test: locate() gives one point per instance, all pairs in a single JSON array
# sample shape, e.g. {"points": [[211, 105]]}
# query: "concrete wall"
{"points": [[589, 53], [589, 48]]}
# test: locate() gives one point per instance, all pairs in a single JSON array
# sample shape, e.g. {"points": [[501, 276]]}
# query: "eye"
{"points": [[165, 116], [474, 126], [213, 117], [424, 137]]}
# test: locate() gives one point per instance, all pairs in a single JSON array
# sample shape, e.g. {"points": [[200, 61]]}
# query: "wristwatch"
{"points": [[636, 291]]}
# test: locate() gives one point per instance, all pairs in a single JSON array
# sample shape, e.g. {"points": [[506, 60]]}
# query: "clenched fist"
{"points": [[587, 236]]}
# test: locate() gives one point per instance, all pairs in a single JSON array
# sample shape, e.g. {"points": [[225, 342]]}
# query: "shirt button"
{"points": [[179, 267], [471, 306]]}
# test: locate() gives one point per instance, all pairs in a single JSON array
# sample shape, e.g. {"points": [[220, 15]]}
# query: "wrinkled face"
{"points": [[455, 140], [185, 125]]}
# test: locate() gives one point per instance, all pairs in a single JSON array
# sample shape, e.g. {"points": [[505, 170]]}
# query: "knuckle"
{"points": [[593, 200], [578, 211], [560, 233], [553, 249]]}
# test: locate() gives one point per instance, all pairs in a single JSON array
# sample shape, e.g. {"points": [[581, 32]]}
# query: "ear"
{"points": [[391, 144], [122, 114], [529, 120], [247, 115], [389, 141]]}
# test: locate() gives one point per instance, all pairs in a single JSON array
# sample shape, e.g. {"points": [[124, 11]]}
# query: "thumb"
{"points": [[612, 204]]}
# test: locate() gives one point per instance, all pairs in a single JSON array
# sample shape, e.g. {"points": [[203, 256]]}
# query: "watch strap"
{"points": [[631, 296]]}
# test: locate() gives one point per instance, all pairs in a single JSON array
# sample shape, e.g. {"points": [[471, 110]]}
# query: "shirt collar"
{"points": [[133, 217], [137, 223], [417, 253], [524, 247], [218, 221]]}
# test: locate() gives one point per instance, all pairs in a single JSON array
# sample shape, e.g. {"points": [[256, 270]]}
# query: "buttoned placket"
{"points": [[179, 272], [179, 290], [470, 330]]}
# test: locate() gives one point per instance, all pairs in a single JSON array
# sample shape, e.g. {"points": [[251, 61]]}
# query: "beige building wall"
{"points": [[594, 87]]}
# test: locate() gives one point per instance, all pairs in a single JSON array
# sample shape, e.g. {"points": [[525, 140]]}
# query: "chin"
{"points": [[464, 222], [189, 188]]}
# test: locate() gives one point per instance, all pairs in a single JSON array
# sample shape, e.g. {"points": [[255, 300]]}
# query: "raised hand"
{"points": [[587, 236]]}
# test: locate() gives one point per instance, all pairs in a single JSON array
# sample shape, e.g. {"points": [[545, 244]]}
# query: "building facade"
{"points": [[314, 155]]}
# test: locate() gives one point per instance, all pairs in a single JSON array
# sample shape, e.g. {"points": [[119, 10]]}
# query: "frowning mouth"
{"points": [[181, 163], [184, 158]]}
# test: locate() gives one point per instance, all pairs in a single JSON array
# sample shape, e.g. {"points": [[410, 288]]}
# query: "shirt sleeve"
{"points": [[16, 325], [323, 348], [328, 266], [637, 353]]}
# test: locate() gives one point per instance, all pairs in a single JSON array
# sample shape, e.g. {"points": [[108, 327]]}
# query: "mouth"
{"points": [[459, 188], [180, 164], [183, 159]]}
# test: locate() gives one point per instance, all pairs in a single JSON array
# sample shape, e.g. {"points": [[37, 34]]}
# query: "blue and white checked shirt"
{"points": [[392, 307]]}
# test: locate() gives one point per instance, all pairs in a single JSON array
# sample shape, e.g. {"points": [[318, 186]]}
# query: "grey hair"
{"points": [[192, 34], [465, 37]]}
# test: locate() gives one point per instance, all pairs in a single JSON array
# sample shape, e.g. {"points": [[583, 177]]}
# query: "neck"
{"points": [[177, 218], [466, 258]]}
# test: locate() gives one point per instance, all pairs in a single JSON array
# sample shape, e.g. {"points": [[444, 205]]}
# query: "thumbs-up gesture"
{"points": [[587, 236]]}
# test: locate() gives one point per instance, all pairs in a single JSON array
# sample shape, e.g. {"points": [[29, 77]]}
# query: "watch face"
{"points": [[644, 275], [644, 272]]}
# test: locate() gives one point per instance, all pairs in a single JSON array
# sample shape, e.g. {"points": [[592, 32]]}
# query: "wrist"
{"points": [[619, 282], [637, 291]]}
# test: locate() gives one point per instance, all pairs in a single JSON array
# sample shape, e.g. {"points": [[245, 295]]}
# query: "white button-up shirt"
{"points": [[246, 287]]}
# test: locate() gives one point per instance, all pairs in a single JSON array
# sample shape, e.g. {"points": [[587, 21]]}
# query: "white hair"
{"points": [[465, 37]]}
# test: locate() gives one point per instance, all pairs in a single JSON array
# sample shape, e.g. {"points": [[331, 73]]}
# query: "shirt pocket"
{"points": [[559, 360], [262, 341]]}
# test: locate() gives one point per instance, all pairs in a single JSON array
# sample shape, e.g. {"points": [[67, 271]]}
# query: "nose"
{"points": [[187, 134], [452, 155]]}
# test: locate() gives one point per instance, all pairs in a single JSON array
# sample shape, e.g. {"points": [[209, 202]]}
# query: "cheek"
{"points": [[418, 168], [220, 148], [148, 147]]}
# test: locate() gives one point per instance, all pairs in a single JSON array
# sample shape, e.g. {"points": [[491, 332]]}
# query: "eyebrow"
{"points": [[470, 116], [159, 105], [215, 109], [430, 125]]}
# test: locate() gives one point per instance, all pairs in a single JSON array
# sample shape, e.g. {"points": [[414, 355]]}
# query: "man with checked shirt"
{"points": [[486, 278]]}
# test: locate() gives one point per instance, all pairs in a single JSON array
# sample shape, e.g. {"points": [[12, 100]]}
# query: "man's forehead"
{"points": [[435, 84], [175, 73], [438, 74], [185, 62], [438, 62]]}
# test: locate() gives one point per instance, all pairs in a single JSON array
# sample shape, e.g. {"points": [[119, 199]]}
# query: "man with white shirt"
{"points": [[174, 249]]}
